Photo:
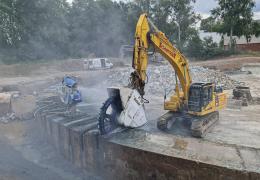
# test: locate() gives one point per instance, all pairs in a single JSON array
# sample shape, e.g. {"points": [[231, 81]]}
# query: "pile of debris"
{"points": [[14, 106], [161, 78]]}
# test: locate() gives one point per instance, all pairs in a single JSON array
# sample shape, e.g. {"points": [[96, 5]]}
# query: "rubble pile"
{"points": [[161, 78], [15, 106]]}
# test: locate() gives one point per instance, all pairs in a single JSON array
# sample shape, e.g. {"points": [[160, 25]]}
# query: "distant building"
{"points": [[242, 44], [216, 37]]}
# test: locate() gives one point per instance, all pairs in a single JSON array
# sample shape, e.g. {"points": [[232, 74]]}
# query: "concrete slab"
{"points": [[77, 132], [54, 125], [93, 157], [5, 103], [229, 151], [23, 106]]}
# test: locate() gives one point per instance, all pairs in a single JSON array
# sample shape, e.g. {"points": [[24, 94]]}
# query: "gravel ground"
{"points": [[161, 78]]}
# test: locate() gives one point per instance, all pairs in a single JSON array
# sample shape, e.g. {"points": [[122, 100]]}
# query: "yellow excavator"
{"points": [[198, 102]]}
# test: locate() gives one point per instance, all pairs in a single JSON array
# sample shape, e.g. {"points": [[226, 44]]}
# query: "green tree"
{"points": [[35, 29], [194, 47], [169, 14], [45, 28], [255, 28], [9, 23], [131, 12], [210, 24], [96, 27], [236, 17]]}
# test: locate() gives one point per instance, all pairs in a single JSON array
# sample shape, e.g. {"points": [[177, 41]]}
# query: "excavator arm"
{"points": [[146, 35]]}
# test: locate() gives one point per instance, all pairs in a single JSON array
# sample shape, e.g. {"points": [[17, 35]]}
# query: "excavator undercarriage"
{"points": [[199, 126]]}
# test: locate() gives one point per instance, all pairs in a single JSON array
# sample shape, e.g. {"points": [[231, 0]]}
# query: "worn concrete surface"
{"points": [[147, 153], [233, 143], [229, 151]]}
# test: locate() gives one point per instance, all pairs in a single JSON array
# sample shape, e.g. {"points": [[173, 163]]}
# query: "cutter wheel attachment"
{"points": [[124, 108], [109, 112]]}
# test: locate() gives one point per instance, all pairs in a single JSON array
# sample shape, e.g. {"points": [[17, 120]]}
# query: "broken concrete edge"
{"points": [[171, 152], [173, 166], [92, 152], [24, 106], [5, 103], [120, 159], [13, 105]]}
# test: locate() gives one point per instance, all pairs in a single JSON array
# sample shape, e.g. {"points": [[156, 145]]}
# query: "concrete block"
{"points": [[76, 147], [24, 106], [93, 152], [42, 121], [65, 135], [55, 130], [5, 103], [76, 134], [48, 125], [64, 142]]}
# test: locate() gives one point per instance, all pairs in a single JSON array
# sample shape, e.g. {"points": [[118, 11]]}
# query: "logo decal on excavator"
{"points": [[173, 54], [137, 101]]}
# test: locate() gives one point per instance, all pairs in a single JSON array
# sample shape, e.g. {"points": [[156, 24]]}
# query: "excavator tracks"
{"points": [[199, 126], [166, 121]]}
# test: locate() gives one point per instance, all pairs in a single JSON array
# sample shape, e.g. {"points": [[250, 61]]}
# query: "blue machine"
{"points": [[69, 81], [76, 97], [70, 93]]}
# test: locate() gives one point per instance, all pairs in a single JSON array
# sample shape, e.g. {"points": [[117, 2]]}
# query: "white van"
{"points": [[97, 63]]}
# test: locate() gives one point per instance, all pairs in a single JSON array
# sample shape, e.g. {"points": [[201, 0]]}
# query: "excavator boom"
{"points": [[147, 34]]}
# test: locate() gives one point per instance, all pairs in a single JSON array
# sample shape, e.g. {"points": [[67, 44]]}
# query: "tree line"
{"points": [[234, 18], [55, 29]]}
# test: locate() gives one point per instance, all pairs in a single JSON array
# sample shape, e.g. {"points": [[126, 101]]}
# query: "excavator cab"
{"points": [[200, 95], [204, 101]]}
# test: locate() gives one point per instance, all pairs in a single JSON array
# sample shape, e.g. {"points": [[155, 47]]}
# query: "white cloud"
{"points": [[204, 15], [202, 6], [256, 15]]}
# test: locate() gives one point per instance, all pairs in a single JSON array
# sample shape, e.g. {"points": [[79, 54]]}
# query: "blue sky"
{"points": [[203, 7]]}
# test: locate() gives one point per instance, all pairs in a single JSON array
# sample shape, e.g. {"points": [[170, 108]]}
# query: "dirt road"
{"points": [[227, 64]]}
